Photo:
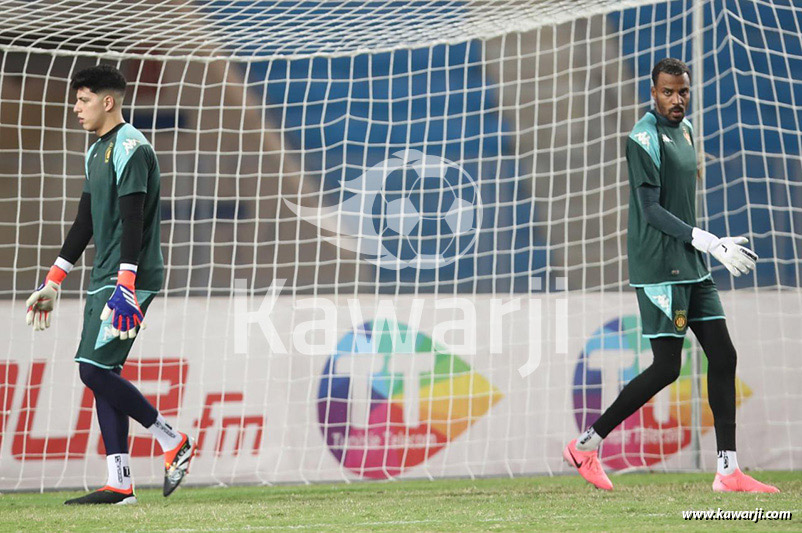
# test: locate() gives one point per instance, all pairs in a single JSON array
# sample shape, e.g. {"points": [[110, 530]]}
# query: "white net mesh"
{"points": [[384, 157], [236, 30]]}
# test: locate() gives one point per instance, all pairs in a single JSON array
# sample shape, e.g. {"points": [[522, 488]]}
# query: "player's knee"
{"points": [[669, 370], [673, 373], [90, 374]]}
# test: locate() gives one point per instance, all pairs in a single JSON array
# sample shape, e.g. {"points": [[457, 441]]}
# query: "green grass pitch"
{"points": [[640, 502]]}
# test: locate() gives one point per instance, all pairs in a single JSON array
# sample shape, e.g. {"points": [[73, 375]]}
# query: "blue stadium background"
{"points": [[751, 50], [344, 113]]}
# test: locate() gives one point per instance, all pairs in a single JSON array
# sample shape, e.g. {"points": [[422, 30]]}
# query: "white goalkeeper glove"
{"points": [[728, 250], [41, 303]]}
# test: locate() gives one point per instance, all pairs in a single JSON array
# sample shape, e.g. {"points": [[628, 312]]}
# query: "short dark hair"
{"points": [[672, 66], [100, 78]]}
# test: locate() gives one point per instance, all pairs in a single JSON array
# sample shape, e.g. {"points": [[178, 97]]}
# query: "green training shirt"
{"points": [[123, 162], [662, 154]]}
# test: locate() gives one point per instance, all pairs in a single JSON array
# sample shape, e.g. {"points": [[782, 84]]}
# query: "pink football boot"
{"points": [[588, 465], [740, 482]]}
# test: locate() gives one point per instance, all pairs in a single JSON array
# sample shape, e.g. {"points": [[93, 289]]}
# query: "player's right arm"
{"points": [[41, 303], [646, 179]]}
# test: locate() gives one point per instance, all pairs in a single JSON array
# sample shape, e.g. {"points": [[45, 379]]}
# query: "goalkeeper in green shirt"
{"points": [[119, 208], [673, 285]]}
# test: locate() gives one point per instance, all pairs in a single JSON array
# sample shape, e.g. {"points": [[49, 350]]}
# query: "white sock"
{"points": [[588, 441], [727, 462], [119, 471], [168, 437]]}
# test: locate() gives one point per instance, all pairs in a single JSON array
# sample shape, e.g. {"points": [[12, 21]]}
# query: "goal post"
{"points": [[395, 232]]}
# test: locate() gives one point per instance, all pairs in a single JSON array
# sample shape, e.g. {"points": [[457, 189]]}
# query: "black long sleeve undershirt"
{"points": [[132, 216], [132, 208], [659, 217], [80, 233]]}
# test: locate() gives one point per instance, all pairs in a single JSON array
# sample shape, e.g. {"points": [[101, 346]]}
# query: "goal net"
{"points": [[395, 232]]}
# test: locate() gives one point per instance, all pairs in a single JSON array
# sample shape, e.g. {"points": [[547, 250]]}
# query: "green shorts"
{"points": [[666, 309], [98, 346]]}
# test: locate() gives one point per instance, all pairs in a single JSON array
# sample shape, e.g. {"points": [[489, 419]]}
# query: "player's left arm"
{"points": [[729, 251], [123, 305], [661, 218], [643, 160]]}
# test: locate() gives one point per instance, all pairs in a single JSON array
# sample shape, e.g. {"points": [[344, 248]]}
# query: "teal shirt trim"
{"points": [[687, 123], [128, 140], [679, 282], [104, 287], [645, 134], [88, 157]]}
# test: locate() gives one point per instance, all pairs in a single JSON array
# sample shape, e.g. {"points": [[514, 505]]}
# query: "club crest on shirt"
{"points": [[108, 152], [687, 135], [680, 319]]}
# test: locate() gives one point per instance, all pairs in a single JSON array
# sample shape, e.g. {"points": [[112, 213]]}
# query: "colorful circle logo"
{"points": [[647, 437], [390, 398]]}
